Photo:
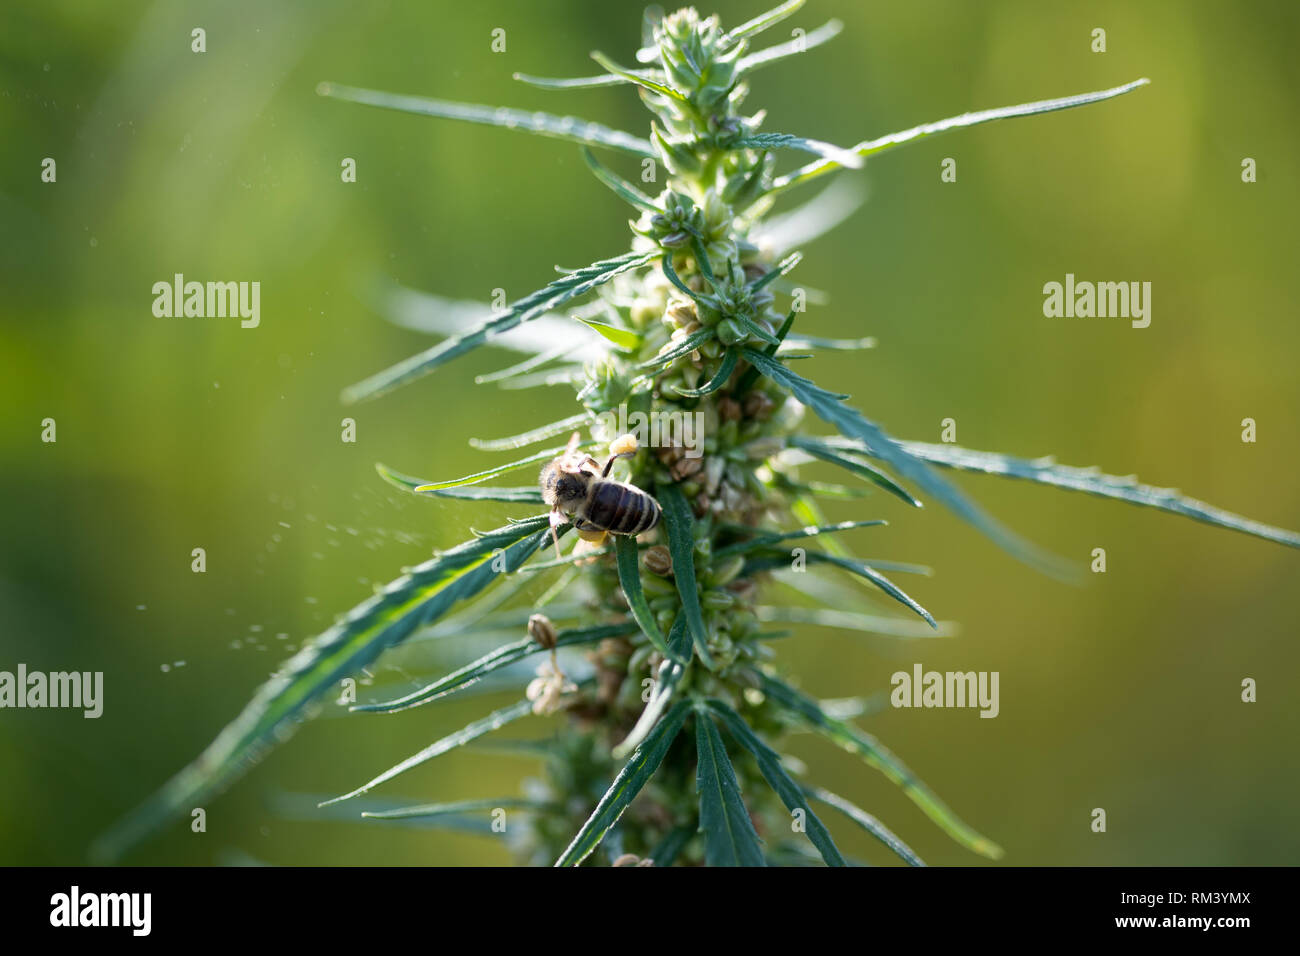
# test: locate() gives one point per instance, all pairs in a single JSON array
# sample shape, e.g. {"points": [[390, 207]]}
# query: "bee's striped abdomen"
{"points": [[618, 508]]}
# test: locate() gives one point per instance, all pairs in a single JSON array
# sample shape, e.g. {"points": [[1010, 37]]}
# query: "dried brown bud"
{"points": [[758, 405], [631, 859], [682, 314], [728, 409], [541, 630], [685, 467], [658, 561]]}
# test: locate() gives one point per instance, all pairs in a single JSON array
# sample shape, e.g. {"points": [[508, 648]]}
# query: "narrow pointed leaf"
{"points": [[563, 427], [620, 186], [720, 378], [629, 576], [641, 78], [475, 478], [570, 286], [795, 340], [578, 82], [820, 449], [678, 523], [677, 349], [791, 794], [766, 540], [428, 811], [763, 21], [671, 846], [422, 595], [765, 561], [666, 681], [478, 728], [855, 621], [751, 374], [729, 835], [409, 483], [852, 424], [868, 823], [527, 365], [624, 339], [827, 31], [783, 268], [503, 656], [1091, 481], [877, 755], [543, 124], [828, 151], [871, 147], [634, 775]]}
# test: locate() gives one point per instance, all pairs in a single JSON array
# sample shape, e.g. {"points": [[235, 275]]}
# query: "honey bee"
{"points": [[579, 490]]}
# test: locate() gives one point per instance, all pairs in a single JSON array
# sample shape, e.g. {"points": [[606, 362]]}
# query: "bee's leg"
{"points": [[609, 463], [557, 519], [621, 447]]}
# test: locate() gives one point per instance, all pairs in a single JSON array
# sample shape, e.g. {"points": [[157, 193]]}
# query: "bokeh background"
{"points": [[183, 433]]}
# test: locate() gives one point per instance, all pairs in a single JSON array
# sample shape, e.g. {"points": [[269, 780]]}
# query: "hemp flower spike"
{"points": [[681, 709]]}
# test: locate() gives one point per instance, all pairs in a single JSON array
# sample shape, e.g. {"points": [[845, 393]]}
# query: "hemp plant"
{"points": [[666, 748]]}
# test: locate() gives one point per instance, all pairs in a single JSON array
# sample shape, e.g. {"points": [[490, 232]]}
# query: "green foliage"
{"points": [[689, 324]]}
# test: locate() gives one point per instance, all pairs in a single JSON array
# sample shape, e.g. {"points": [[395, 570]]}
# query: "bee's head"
{"points": [[562, 487]]}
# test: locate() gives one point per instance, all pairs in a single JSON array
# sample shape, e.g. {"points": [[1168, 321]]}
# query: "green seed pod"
{"points": [[727, 571], [718, 600], [730, 332]]}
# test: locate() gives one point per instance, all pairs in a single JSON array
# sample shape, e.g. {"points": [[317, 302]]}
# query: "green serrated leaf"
{"points": [[562, 427], [422, 595], [855, 621], [857, 566], [503, 656], [874, 146], [763, 21], [579, 82], [478, 728], [679, 524], [570, 286], [409, 483], [629, 576], [820, 449], [767, 539], [634, 775], [868, 823], [669, 676], [828, 151], [677, 349], [775, 54], [852, 424], [641, 78], [1091, 481], [543, 124], [624, 339], [797, 341], [729, 835], [620, 186], [751, 374], [720, 378], [671, 846], [769, 764], [541, 456], [431, 810], [876, 755]]}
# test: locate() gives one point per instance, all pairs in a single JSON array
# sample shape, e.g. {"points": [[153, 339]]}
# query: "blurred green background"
{"points": [[183, 433]]}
